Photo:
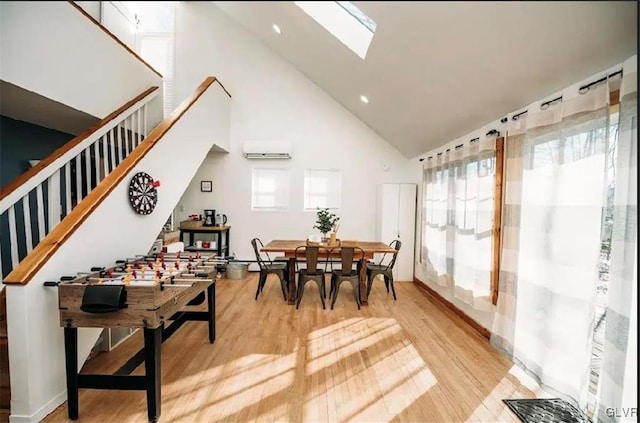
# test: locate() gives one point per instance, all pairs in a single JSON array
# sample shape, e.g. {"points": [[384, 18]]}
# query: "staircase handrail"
{"points": [[33, 262], [20, 186]]}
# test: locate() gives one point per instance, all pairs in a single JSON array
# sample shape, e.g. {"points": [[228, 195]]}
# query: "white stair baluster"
{"points": [[87, 162], [96, 158], [54, 199], [27, 223], [129, 134], [13, 237], [105, 156], [139, 120], [40, 211], [120, 148], [112, 147], [78, 179], [134, 128], [144, 120], [67, 191]]}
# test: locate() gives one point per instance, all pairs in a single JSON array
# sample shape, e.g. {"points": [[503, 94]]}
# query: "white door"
{"points": [[389, 204], [397, 208], [403, 270]]}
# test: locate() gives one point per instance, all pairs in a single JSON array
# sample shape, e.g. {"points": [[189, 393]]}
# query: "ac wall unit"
{"points": [[266, 150]]}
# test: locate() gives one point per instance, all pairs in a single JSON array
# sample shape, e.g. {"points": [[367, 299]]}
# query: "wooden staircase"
{"points": [[5, 386]]}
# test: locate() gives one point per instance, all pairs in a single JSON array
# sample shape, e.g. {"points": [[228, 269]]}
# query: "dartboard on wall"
{"points": [[143, 195]]}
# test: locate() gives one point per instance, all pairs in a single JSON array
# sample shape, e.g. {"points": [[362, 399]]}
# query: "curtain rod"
{"points": [[491, 132], [585, 88], [582, 90], [546, 104]]}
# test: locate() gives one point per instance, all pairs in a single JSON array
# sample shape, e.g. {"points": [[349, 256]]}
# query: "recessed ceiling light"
{"points": [[277, 29], [364, 99]]}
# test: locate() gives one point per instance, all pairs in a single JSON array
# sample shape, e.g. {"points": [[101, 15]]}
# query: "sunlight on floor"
{"points": [[236, 385], [374, 372], [510, 387], [528, 382], [347, 337]]}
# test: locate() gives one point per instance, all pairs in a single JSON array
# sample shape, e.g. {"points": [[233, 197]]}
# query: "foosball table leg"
{"points": [[71, 361], [211, 303], [152, 347]]}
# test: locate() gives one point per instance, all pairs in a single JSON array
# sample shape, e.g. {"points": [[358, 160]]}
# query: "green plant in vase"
{"points": [[326, 222]]}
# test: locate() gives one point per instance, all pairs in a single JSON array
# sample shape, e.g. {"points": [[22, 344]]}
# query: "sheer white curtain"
{"points": [[472, 219], [554, 194], [458, 207], [618, 379], [436, 186]]}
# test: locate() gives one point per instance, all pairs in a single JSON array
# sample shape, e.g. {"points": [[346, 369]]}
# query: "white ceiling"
{"points": [[20, 104], [436, 71]]}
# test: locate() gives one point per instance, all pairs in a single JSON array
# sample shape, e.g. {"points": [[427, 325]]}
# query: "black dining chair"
{"points": [[311, 272], [384, 269], [267, 267], [349, 256]]}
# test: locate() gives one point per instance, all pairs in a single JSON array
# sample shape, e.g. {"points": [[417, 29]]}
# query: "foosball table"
{"points": [[144, 292]]}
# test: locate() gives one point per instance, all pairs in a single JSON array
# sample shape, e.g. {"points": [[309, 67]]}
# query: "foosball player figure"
{"points": [[127, 277]]}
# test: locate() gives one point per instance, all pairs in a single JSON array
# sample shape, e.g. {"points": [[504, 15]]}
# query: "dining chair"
{"points": [[349, 256], [386, 270], [267, 267], [311, 272]]}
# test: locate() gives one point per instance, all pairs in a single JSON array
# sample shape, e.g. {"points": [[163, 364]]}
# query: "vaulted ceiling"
{"points": [[437, 70]]}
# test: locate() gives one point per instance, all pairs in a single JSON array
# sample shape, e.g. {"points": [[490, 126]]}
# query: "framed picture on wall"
{"points": [[206, 186]]}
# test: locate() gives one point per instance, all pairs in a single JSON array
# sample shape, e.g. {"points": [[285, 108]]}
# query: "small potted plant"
{"points": [[326, 222]]}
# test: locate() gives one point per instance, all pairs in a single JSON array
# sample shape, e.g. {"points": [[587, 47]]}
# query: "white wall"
{"points": [[93, 8], [273, 101], [113, 231], [117, 18], [52, 49]]}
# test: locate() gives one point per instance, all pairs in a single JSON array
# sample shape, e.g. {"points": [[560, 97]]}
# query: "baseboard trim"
{"points": [[43, 412], [448, 304]]}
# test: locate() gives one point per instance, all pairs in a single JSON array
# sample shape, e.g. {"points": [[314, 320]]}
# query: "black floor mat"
{"points": [[552, 410]]}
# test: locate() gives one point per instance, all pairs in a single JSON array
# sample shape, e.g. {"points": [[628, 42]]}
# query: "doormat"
{"points": [[551, 410]]}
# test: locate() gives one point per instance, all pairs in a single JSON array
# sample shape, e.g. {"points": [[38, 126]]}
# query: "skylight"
{"points": [[344, 21]]}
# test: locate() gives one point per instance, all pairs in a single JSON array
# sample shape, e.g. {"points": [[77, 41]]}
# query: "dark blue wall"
{"points": [[20, 142]]}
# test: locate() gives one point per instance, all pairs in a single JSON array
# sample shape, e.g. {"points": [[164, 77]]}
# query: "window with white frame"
{"points": [[270, 189], [155, 41], [321, 189]]}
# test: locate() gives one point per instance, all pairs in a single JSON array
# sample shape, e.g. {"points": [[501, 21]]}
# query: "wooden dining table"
{"points": [[288, 247]]}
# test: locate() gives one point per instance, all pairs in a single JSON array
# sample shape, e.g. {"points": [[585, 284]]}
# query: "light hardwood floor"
{"points": [[410, 360]]}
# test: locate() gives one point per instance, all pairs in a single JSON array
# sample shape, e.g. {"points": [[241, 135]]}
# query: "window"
{"points": [[458, 250], [270, 189], [321, 189], [344, 21], [157, 50], [155, 41]]}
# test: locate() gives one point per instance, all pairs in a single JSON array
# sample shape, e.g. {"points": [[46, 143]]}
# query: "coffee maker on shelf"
{"points": [[209, 218]]}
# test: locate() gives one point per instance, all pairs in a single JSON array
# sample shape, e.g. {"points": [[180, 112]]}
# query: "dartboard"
{"points": [[143, 195]]}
